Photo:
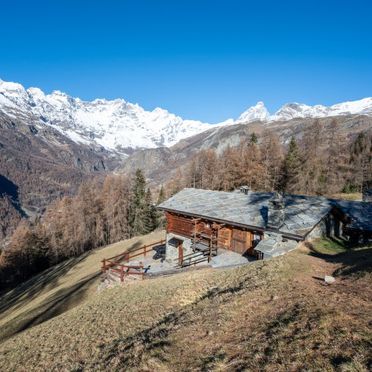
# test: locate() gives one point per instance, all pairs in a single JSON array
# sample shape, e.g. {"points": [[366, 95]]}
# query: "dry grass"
{"points": [[348, 196], [272, 315], [59, 288]]}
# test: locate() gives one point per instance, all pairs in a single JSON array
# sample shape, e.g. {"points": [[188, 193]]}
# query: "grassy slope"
{"points": [[271, 315], [59, 288]]}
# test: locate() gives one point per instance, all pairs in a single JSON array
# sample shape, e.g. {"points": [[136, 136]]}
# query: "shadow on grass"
{"points": [[356, 260], [58, 303], [28, 290]]}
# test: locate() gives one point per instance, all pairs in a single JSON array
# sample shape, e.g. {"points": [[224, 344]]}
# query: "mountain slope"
{"points": [[115, 125], [269, 315], [121, 127], [160, 164], [43, 164]]}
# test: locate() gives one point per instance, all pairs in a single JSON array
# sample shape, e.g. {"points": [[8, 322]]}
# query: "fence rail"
{"points": [[119, 263]]}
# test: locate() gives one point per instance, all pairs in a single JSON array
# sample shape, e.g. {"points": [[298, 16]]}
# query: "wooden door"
{"points": [[224, 238], [180, 253], [241, 241], [238, 241]]}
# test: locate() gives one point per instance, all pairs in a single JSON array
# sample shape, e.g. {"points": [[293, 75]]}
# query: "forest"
{"points": [[320, 163], [101, 213]]}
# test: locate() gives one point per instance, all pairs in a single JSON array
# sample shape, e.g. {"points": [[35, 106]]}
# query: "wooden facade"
{"points": [[227, 236]]}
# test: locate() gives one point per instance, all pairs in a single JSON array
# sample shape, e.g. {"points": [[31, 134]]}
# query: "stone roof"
{"points": [[302, 213], [274, 245], [360, 213]]}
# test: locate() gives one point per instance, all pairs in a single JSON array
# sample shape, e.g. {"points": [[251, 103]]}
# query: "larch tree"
{"points": [[272, 159], [311, 179], [361, 160], [336, 160]]}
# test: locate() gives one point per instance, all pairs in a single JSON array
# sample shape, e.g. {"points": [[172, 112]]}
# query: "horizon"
{"points": [[207, 61], [138, 103]]}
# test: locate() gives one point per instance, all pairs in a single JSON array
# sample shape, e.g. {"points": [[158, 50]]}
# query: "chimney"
{"points": [[244, 190], [276, 213]]}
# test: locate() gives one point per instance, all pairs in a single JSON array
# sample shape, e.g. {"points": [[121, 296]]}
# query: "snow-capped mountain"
{"points": [[120, 126], [299, 110], [115, 125], [254, 113]]}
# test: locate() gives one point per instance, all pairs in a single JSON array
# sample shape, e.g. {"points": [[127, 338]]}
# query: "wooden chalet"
{"points": [[200, 223]]}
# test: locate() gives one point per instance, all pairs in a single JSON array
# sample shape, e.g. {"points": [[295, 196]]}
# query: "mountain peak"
{"points": [[255, 113], [294, 110], [117, 125]]}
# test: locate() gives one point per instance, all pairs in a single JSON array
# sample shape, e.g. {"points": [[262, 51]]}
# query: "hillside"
{"points": [[59, 288], [269, 315], [160, 164], [40, 164]]}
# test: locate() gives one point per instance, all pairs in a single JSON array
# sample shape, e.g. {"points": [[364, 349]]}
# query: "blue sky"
{"points": [[206, 60]]}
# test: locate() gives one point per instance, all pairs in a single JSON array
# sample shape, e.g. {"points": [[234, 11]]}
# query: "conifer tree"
{"points": [[138, 206], [291, 167], [161, 196], [150, 213], [253, 138]]}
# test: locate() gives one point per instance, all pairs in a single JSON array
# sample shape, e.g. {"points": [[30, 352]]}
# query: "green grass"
{"points": [[329, 246]]}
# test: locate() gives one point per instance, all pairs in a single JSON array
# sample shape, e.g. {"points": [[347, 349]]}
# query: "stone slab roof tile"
{"points": [[302, 213]]}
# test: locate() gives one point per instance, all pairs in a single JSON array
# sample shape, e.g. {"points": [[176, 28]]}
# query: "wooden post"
{"points": [[121, 273], [104, 266]]}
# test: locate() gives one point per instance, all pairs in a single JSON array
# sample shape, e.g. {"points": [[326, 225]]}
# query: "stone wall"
{"points": [[319, 231], [330, 226], [171, 252]]}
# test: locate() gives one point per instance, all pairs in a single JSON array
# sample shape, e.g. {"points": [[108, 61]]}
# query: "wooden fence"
{"points": [[119, 264]]}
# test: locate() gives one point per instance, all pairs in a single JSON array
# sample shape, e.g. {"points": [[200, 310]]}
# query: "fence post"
{"points": [[121, 273], [103, 266]]}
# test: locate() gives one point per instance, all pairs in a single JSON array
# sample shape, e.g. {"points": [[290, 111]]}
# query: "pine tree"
{"points": [[161, 196], [150, 214], [253, 138], [291, 167], [138, 205]]}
